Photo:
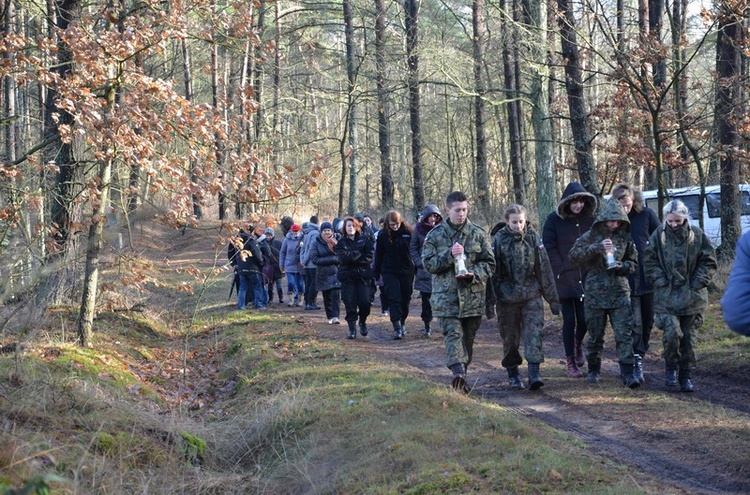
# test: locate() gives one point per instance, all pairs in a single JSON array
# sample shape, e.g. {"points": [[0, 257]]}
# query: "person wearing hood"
{"points": [[523, 276], [643, 222], [290, 264], [310, 233], [610, 256], [323, 254], [680, 262], [430, 217], [573, 217], [272, 270]]}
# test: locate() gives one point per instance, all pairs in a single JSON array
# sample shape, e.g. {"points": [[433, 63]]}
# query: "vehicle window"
{"points": [[691, 202], [713, 203]]}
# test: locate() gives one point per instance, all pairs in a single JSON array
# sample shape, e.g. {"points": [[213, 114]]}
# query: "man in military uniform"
{"points": [[458, 302], [609, 254]]}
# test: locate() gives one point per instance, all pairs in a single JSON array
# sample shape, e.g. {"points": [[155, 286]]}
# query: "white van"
{"points": [[711, 207]]}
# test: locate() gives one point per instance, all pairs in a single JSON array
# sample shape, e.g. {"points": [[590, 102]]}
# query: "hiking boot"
{"points": [[384, 313], [363, 329], [573, 370], [397, 331], [514, 380], [592, 376], [670, 376], [427, 330], [685, 384], [628, 379], [352, 329], [638, 369], [578, 353], [459, 378], [535, 382]]}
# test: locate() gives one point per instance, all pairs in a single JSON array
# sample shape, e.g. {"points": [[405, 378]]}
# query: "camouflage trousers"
{"points": [[679, 338], [521, 322], [458, 335], [621, 320]]}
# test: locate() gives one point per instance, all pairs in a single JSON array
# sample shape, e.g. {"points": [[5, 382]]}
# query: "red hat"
{"points": [[296, 228]]}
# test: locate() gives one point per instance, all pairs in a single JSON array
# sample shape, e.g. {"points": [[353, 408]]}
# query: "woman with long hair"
{"points": [[393, 261], [680, 263], [355, 252]]}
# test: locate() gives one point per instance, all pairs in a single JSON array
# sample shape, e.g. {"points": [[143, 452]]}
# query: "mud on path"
{"points": [[644, 428]]}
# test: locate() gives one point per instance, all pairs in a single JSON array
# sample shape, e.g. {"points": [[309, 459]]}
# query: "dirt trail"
{"points": [[674, 452], [703, 455]]}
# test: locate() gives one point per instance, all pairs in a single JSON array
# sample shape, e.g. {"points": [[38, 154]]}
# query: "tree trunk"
{"points": [[729, 110], [480, 172], [351, 75], [188, 75], [276, 88], [546, 194], [574, 87], [218, 139], [411, 11], [384, 116], [514, 124]]}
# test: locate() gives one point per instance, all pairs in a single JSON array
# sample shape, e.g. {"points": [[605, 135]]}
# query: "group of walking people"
{"points": [[591, 264]]}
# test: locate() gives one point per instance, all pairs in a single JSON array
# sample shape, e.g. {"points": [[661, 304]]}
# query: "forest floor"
{"points": [[695, 442]]}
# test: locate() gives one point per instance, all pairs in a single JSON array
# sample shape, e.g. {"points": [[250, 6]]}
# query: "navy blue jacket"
{"points": [[643, 222], [736, 301]]}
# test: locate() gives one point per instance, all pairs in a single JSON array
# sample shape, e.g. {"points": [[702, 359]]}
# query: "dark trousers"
{"points": [[279, 290], [643, 321], [398, 289], [311, 293], [574, 322], [356, 296], [331, 302], [426, 314]]}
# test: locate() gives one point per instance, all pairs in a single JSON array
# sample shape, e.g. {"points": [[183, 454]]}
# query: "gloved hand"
{"points": [[555, 308]]}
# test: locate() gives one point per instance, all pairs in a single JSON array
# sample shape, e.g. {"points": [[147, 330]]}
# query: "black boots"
{"points": [[459, 378], [535, 382], [638, 369], [595, 367], [363, 329], [628, 379], [352, 329], [685, 384], [513, 379], [398, 330], [670, 377], [427, 330], [578, 353]]}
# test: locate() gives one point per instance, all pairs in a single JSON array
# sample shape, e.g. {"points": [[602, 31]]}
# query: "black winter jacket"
{"points": [[355, 256], [392, 253], [327, 263], [561, 229]]}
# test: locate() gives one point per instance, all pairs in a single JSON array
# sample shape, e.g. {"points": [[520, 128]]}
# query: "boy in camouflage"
{"points": [[607, 250], [458, 303], [523, 275]]}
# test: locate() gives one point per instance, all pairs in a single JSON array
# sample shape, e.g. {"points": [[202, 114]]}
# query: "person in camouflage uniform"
{"points": [[607, 288], [680, 262], [523, 275], [458, 303]]}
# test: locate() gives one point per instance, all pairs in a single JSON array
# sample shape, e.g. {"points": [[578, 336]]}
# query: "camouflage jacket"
{"points": [[452, 297], [522, 268], [680, 264], [606, 289]]}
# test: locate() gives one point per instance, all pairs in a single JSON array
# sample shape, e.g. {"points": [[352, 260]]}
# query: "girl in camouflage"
{"points": [[680, 262], [522, 276]]}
